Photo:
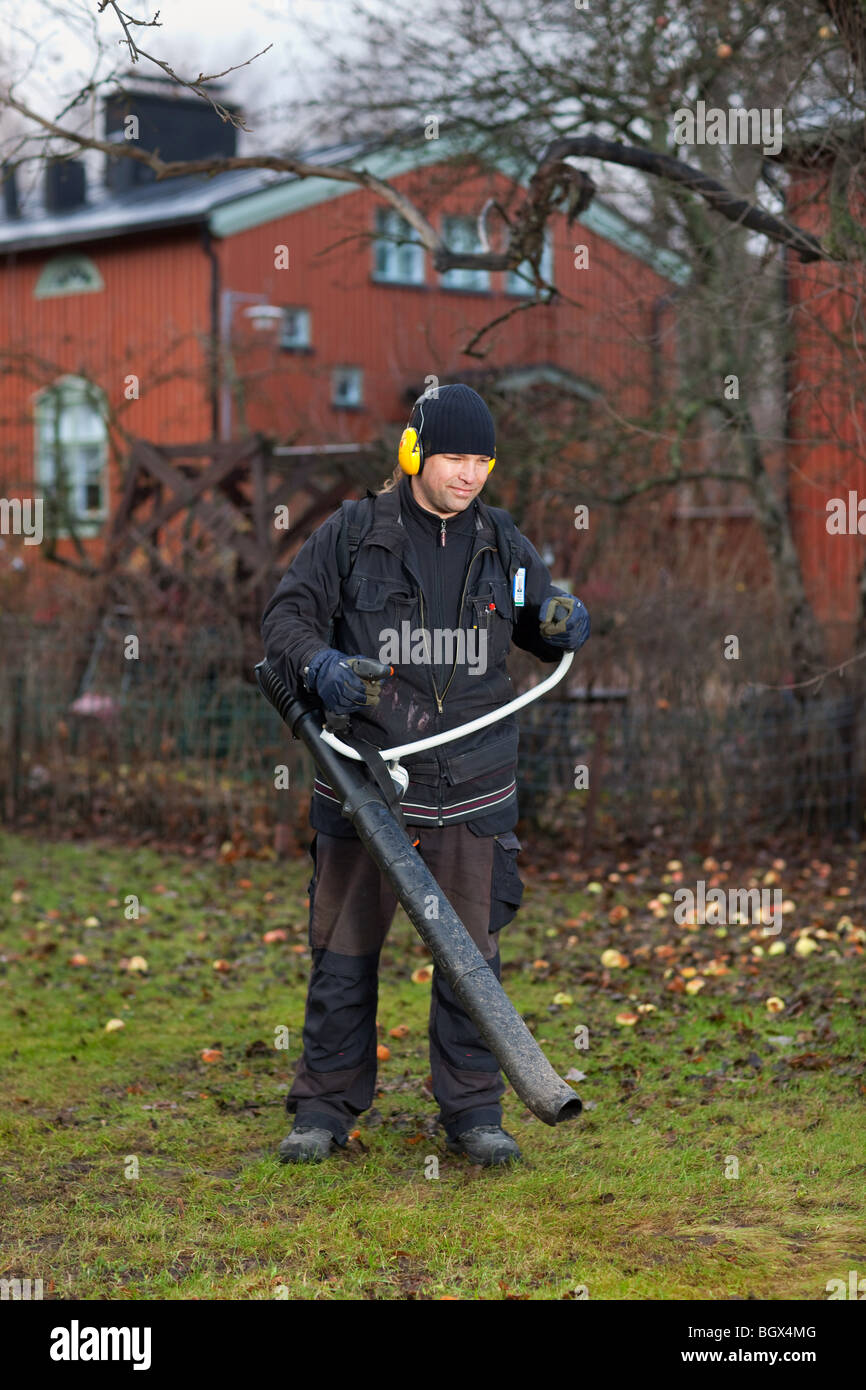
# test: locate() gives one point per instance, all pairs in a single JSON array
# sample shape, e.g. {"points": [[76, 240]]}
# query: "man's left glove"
{"points": [[564, 622]]}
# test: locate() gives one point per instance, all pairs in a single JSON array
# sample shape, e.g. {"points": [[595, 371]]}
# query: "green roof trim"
{"points": [[607, 223], [282, 199], [297, 194]]}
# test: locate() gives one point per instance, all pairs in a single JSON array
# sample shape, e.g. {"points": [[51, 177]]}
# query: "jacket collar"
{"points": [[389, 530]]}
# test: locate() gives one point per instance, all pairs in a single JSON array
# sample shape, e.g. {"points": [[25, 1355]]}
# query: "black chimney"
{"points": [[9, 178], [174, 126], [64, 185]]}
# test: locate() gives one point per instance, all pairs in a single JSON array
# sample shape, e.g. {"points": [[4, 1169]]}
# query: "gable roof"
{"points": [[294, 195]]}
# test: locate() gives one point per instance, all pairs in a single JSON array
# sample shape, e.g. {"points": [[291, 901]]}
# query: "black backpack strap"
{"points": [[356, 518], [507, 542]]}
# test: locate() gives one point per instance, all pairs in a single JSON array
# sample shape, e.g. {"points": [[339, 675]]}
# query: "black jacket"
{"points": [[405, 579]]}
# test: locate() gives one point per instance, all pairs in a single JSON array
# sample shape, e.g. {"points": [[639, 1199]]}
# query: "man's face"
{"points": [[449, 482]]}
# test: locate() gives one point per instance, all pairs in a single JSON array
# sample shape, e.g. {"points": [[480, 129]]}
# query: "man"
{"points": [[429, 594]]}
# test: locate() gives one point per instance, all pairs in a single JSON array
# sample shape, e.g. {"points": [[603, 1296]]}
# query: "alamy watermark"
{"points": [[22, 517], [412, 645], [737, 125], [717, 908]]}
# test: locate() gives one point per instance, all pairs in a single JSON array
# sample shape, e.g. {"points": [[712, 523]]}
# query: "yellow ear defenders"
{"points": [[410, 455]]}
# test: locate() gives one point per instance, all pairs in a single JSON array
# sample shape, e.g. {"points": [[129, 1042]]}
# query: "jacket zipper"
{"points": [[440, 698]]}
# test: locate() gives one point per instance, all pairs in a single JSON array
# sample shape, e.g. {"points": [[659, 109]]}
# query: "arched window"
{"points": [[71, 456], [68, 275]]}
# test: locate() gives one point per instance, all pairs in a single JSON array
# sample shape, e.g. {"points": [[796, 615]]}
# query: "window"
{"points": [[71, 456], [68, 275], [295, 332], [398, 253], [346, 387], [515, 283], [461, 234]]}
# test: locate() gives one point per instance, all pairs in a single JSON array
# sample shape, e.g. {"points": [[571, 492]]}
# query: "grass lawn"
{"points": [[720, 1155]]}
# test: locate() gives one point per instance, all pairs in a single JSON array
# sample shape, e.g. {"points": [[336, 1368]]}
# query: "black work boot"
{"points": [[486, 1144], [306, 1144]]}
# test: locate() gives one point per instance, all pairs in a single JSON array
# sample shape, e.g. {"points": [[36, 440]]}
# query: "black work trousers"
{"points": [[352, 906]]}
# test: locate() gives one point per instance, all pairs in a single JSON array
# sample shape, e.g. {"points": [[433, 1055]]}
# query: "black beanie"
{"points": [[454, 420]]}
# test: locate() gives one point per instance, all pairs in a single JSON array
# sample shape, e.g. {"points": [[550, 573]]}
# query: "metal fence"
{"points": [[174, 747]]}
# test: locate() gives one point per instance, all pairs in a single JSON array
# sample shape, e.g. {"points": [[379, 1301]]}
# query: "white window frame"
{"points": [[354, 374], [398, 252], [305, 318], [82, 438], [513, 285], [50, 283], [460, 233]]}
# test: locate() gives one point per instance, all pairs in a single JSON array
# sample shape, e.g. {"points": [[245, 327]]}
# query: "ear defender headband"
{"points": [[410, 453]]}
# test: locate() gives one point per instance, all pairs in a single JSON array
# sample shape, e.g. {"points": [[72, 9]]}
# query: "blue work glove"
{"points": [[569, 631], [335, 683]]}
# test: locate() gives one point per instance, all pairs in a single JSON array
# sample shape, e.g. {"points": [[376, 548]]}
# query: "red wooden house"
{"points": [[202, 309], [826, 434]]}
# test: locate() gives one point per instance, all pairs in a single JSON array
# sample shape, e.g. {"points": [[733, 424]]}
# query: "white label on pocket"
{"points": [[520, 588]]}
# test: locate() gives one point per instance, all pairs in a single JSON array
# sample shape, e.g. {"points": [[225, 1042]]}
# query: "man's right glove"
{"points": [[333, 680]]}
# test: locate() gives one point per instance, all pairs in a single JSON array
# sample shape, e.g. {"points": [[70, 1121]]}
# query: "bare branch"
{"points": [[135, 53], [719, 198]]}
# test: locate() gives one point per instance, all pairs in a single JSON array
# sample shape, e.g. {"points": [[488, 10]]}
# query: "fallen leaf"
{"points": [[805, 946], [614, 960], [210, 1054]]}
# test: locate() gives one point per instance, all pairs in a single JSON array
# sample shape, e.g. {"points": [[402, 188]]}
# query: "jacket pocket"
{"points": [[496, 592], [490, 611], [506, 889], [370, 594], [425, 773], [499, 750]]}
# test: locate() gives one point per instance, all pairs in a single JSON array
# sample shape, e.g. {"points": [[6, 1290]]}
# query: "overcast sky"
{"points": [[51, 46]]}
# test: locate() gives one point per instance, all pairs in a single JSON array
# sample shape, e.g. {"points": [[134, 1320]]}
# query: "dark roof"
{"points": [[165, 203]]}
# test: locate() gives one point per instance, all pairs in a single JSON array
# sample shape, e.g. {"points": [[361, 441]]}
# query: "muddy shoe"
{"points": [[306, 1144], [486, 1144]]}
